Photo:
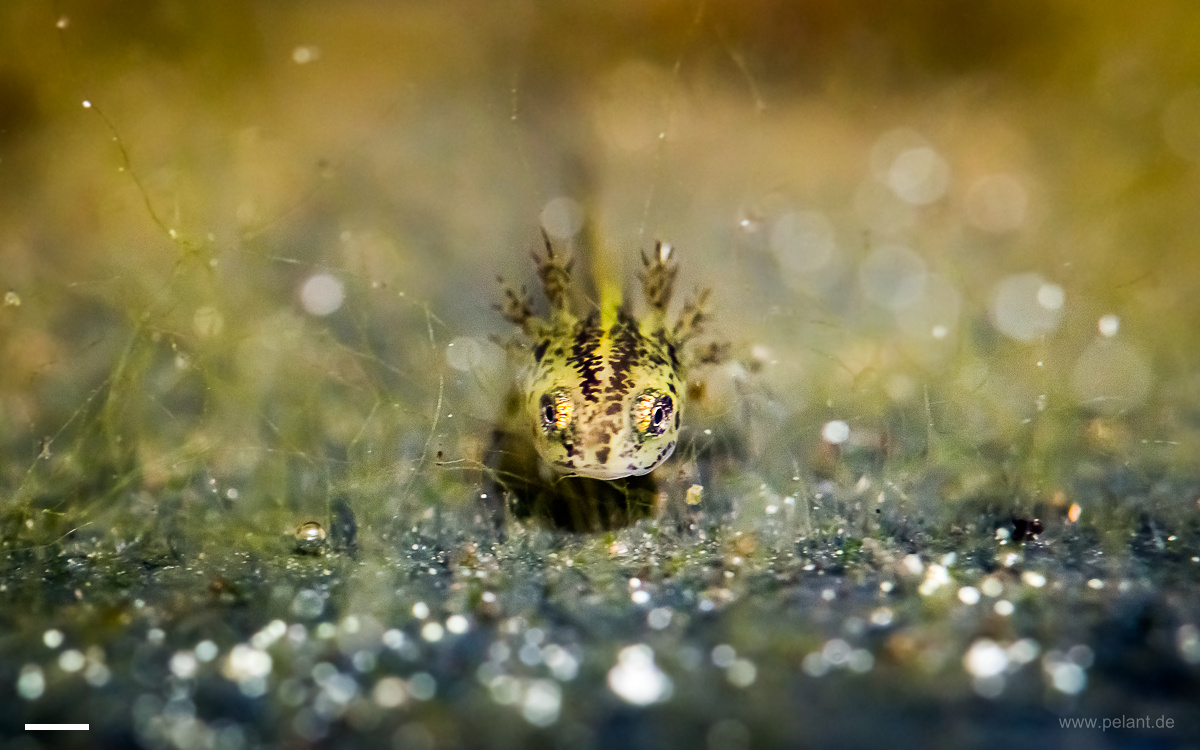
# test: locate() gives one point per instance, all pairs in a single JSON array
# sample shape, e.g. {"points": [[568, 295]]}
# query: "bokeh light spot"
{"points": [[836, 432], [562, 218], [893, 276], [322, 294], [997, 203], [934, 314], [637, 679], [1111, 376], [208, 322], [1025, 306], [919, 176], [1109, 325], [802, 241], [473, 354]]}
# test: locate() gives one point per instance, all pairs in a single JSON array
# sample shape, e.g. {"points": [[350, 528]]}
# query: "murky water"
{"points": [[945, 486]]}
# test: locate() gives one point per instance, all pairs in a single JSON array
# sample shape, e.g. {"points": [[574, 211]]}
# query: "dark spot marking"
{"points": [[585, 358], [614, 408], [539, 351], [626, 352], [671, 388], [570, 450], [662, 454], [602, 454]]}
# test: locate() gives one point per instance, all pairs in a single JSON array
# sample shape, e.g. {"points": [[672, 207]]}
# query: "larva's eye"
{"points": [[658, 417], [652, 413], [557, 409]]}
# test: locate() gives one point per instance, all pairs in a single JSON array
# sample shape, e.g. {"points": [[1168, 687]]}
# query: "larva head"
{"points": [[607, 406]]}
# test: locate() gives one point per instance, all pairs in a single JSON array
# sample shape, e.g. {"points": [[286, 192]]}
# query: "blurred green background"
{"points": [[248, 255], [914, 215]]}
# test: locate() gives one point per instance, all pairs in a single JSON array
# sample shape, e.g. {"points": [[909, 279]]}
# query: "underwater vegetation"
{"points": [[260, 481]]}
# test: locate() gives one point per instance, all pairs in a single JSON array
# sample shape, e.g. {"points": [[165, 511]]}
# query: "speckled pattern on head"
{"points": [[604, 395]]}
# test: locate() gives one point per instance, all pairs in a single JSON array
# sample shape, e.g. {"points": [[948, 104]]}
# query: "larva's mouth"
{"points": [[606, 473]]}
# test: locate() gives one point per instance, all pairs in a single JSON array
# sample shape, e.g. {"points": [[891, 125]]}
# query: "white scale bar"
{"points": [[50, 727]]}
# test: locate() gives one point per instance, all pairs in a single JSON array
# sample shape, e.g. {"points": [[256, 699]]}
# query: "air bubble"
{"points": [[309, 538]]}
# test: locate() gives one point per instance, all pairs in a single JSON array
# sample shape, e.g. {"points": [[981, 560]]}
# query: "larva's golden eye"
{"points": [[557, 411], [652, 413]]}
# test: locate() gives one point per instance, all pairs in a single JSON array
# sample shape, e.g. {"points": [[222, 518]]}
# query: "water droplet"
{"points": [[310, 538]]}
